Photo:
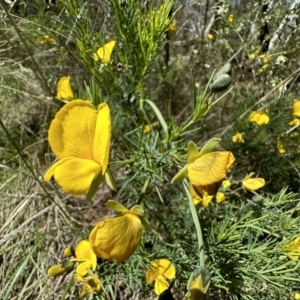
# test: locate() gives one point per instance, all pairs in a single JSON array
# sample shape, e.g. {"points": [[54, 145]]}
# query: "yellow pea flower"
{"points": [[296, 108], [210, 36], [146, 129], [61, 269], [280, 147], [172, 28], [64, 90], [91, 285], [79, 136], [252, 56], [253, 184], [104, 53], [205, 169], [158, 271], [117, 238], [295, 122], [238, 138], [259, 118], [69, 251], [87, 258], [198, 201], [297, 296], [292, 250]]}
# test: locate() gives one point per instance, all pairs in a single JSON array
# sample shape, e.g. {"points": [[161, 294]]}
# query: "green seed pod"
{"points": [[226, 69], [221, 83]]}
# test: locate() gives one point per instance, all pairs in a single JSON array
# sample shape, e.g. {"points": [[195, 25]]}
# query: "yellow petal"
{"points": [[85, 290], [73, 175], [116, 238], [160, 267], [280, 147], [102, 136], [64, 90], [68, 251], [259, 118], [197, 290], [226, 184], [82, 268], [72, 131], [104, 52], [220, 197], [238, 138], [297, 296], [295, 122], [161, 284], [84, 251], [253, 184], [94, 282], [210, 168], [296, 109]]}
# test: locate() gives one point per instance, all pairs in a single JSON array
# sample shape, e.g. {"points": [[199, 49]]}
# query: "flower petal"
{"points": [[84, 251], [72, 131], [64, 90], [160, 267], [74, 175], [253, 184], [296, 108], [116, 238], [104, 52], [210, 168], [161, 284], [82, 268], [102, 136]]}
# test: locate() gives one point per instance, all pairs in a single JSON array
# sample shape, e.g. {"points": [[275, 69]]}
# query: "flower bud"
{"points": [[221, 84]]}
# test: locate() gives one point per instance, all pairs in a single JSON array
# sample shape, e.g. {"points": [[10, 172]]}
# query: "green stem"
{"points": [[196, 223]]}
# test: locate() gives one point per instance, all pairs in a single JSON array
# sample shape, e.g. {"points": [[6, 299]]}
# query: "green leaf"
{"points": [[109, 180], [115, 205], [159, 116], [182, 174], [94, 187]]}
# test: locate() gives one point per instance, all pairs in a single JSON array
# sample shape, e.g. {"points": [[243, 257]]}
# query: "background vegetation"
{"points": [[245, 236]]}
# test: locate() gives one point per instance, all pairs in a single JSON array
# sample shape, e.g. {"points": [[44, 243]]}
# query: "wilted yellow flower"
{"points": [[158, 271], [64, 90], [210, 36], [238, 138], [117, 238], [220, 197], [61, 269], [230, 18], [296, 109], [69, 252], [205, 169], [91, 285], [104, 53], [259, 118], [295, 122], [80, 137], [253, 184], [226, 184], [87, 258], [172, 28], [280, 147]]}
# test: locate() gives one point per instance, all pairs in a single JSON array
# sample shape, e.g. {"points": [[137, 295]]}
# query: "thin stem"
{"points": [[196, 223]]}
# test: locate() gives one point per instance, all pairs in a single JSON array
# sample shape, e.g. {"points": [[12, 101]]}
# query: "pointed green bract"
{"points": [[93, 187], [109, 180], [209, 146], [137, 209], [182, 174], [193, 153], [115, 205]]}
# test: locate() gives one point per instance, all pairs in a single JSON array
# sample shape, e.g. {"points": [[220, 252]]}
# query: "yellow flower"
{"points": [[158, 271], [198, 201], [117, 238], [172, 28], [48, 39], [104, 53], [295, 122], [252, 56], [230, 18], [259, 118], [297, 296], [205, 168], [91, 285], [198, 284], [69, 252], [210, 36], [64, 90], [280, 147], [80, 137], [226, 184], [220, 197], [87, 258], [61, 269], [296, 108], [253, 184], [293, 249], [238, 138], [265, 58], [146, 129]]}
